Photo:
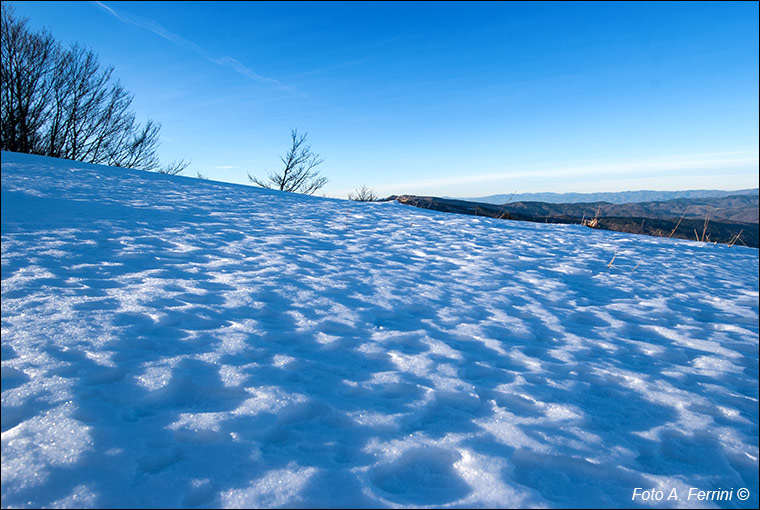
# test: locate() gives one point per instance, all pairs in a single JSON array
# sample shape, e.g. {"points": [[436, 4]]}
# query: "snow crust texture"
{"points": [[174, 342]]}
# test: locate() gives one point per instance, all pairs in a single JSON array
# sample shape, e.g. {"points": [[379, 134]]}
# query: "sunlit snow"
{"points": [[175, 342]]}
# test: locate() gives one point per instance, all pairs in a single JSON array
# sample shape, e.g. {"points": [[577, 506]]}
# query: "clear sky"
{"points": [[449, 99]]}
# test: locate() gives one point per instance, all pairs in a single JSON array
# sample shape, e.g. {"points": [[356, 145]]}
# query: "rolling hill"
{"points": [[727, 217], [621, 197]]}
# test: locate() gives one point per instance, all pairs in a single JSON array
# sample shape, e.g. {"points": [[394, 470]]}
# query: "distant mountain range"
{"points": [[726, 216], [622, 197]]}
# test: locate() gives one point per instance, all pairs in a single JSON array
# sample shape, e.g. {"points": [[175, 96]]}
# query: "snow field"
{"points": [[173, 342]]}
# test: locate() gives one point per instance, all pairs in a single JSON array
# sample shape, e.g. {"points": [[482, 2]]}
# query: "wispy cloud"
{"points": [[395, 38], [225, 61], [678, 163]]}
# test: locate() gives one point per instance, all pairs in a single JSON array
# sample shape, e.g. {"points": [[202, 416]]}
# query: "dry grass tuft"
{"points": [[594, 222], [679, 222]]}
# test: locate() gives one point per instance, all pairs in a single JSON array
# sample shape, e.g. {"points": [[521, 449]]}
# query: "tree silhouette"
{"points": [[59, 102], [363, 194], [299, 174]]}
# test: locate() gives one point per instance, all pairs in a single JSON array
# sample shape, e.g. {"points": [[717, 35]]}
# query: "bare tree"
{"points": [[174, 168], [299, 174], [363, 194], [59, 102], [27, 61]]}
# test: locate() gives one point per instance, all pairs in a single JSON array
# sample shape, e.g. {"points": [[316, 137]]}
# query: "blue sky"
{"points": [[449, 99]]}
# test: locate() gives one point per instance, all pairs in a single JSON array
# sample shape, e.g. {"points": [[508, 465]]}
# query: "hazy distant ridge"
{"points": [[622, 197], [728, 216]]}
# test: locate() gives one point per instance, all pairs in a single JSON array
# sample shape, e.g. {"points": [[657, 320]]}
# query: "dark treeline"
{"points": [[59, 102]]}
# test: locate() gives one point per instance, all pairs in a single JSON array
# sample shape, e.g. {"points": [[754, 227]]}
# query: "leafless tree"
{"points": [[59, 102], [173, 168], [299, 174], [363, 194], [27, 61]]}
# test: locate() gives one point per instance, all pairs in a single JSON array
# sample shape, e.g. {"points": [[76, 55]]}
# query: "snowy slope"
{"points": [[173, 342]]}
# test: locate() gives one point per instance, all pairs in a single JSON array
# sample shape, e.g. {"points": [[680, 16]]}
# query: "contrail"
{"points": [[225, 61]]}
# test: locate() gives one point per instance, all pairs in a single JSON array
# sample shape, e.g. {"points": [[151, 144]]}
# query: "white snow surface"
{"points": [[175, 342]]}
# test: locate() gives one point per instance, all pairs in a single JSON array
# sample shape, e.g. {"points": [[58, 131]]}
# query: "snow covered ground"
{"points": [[174, 342]]}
